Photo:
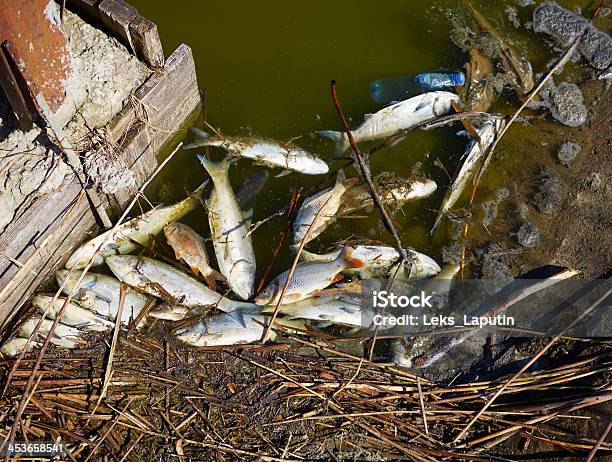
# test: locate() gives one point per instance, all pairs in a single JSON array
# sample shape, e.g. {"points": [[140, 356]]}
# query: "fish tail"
{"points": [[339, 138], [202, 138], [215, 169], [212, 276], [437, 222], [347, 257]]}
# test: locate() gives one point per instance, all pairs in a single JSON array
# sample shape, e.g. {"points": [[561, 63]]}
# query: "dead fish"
{"points": [[16, 345], [379, 261], [233, 246], [250, 187], [223, 330], [133, 233], [334, 310], [168, 283], [324, 203], [394, 192], [74, 315], [474, 155], [169, 312], [100, 293], [63, 336], [190, 247], [263, 151], [308, 278], [392, 119], [518, 69]]}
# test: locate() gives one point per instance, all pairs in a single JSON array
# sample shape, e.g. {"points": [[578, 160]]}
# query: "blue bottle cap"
{"points": [[458, 78]]}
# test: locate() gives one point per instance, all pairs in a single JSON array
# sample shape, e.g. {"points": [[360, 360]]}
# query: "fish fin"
{"points": [[201, 134], [212, 277], [237, 316], [397, 141], [349, 260], [337, 278], [437, 222], [199, 192], [214, 168], [421, 105], [247, 216], [342, 144], [283, 173], [323, 325], [463, 133], [367, 115], [349, 310]]}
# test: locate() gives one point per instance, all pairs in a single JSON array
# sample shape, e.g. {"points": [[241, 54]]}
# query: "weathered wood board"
{"points": [[46, 233]]}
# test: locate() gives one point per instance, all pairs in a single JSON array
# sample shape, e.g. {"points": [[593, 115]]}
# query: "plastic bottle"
{"points": [[400, 88]]}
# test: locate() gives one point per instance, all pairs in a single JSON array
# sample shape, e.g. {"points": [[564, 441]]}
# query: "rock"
{"points": [[496, 274], [594, 181], [568, 152], [567, 105], [528, 235], [563, 27], [523, 210], [452, 253], [548, 195]]}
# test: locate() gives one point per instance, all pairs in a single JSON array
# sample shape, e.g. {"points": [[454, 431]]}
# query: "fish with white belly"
{"points": [[63, 336], [379, 261], [392, 190], [392, 119], [308, 278], [132, 234], [168, 283], [189, 246], [100, 293], [325, 204], [263, 151], [474, 156], [223, 329], [73, 315], [233, 246]]}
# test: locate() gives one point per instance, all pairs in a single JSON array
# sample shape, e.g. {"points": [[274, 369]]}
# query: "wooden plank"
{"points": [[86, 9], [172, 95], [116, 15], [146, 41]]}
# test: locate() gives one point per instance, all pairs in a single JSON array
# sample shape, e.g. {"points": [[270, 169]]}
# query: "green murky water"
{"points": [[266, 68]]}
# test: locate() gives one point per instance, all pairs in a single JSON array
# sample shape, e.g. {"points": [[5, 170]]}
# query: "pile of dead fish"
{"points": [[221, 307]]}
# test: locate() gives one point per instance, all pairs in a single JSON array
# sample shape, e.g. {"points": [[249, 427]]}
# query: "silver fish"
{"points": [[392, 119], [168, 283], [308, 278], [223, 329], [73, 315], [233, 247], [264, 152], [15, 346], [63, 336], [474, 155], [127, 236], [190, 247], [324, 203], [100, 293], [327, 309], [393, 192], [380, 261]]}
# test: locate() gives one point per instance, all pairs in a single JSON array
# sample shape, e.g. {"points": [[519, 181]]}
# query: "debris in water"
{"points": [[567, 105], [564, 26], [549, 191], [568, 152], [528, 235], [512, 14]]}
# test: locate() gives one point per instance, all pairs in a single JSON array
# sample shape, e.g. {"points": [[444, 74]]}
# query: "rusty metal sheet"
{"points": [[39, 46]]}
